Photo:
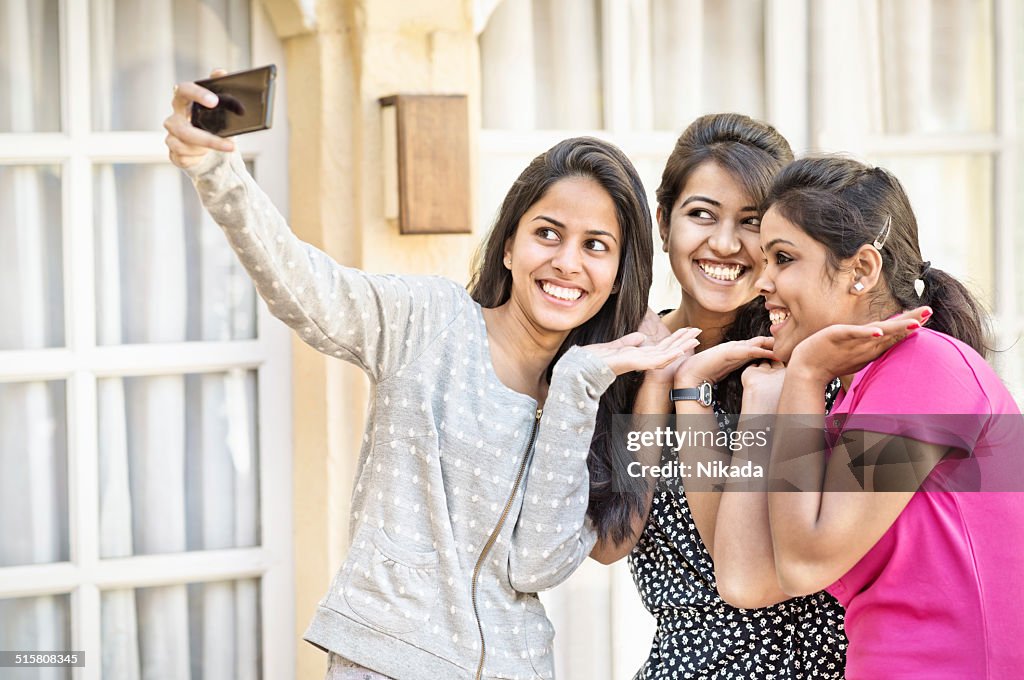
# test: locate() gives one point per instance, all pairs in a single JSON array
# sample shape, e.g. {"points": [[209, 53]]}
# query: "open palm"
{"points": [[633, 352]]}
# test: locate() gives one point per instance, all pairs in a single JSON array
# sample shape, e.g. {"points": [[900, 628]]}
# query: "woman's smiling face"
{"points": [[565, 255], [711, 237], [801, 294]]}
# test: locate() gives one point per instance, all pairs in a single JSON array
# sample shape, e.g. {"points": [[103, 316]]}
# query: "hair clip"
{"points": [[883, 235]]}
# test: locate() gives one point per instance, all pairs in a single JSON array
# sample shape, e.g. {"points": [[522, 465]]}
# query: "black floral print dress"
{"points": [[699, 635]]}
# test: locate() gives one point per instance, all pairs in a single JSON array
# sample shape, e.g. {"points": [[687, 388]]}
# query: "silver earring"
{"points": [[858, 286]]}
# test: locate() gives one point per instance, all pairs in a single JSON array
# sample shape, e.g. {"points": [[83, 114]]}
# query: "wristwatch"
{"points": [[700, 394]]}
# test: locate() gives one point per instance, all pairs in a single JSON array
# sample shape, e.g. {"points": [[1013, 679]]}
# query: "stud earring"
{"points": [[858, 286], [508, 262]]}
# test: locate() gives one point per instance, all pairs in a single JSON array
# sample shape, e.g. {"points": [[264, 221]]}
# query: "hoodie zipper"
{"points": [[494, 536]]}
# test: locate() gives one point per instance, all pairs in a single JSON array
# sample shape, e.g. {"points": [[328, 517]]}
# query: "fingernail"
{"points": [[877, 333], [210, 100], [913, 326], [926, 313]]}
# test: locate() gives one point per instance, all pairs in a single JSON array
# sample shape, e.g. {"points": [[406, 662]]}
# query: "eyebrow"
{"points": [[776, 241], [717, 204], [589, 232]]}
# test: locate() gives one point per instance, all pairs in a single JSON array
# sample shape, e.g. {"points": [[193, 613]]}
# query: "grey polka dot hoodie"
{"points": [[468, 498]]}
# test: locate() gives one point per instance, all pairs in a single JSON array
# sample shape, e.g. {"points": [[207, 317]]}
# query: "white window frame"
{"points": [[81, 363]]}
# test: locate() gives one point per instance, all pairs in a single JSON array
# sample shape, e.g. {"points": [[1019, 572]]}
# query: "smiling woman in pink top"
{"points": [[932, 570]]}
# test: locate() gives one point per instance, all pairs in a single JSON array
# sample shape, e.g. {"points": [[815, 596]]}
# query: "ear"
{"points": [[663, 228], [506, 257], [866, 265]]}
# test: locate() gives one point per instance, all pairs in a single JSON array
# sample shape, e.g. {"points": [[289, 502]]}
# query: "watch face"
{"points": [[705, 394]]}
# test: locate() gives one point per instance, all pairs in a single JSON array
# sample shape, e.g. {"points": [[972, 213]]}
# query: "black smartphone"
{"points": [[246, 102]]}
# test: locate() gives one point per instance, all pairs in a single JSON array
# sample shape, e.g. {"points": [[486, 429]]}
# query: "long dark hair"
{"points": [[613, 501], [752, 152], [844, 204]]}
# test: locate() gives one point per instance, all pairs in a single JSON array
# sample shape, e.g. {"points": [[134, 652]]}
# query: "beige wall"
{"points": [[341, 57]]}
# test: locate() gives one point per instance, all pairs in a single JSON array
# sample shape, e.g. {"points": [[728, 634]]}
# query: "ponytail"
{"points": [[957, 313]]}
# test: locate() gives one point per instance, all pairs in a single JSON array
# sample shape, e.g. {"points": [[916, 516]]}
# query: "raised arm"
{"points": [[651, 401], [842, 504], [744, 557], [552, 535], [377, 322]]}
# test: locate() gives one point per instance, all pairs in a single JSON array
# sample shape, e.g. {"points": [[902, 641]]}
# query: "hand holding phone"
{"points": [[245, 102]]}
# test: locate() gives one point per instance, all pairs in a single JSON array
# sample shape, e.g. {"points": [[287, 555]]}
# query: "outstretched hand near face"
{"points": [[187, 145], [656, 331], [633, 353], [844, 349], [716, 362]]}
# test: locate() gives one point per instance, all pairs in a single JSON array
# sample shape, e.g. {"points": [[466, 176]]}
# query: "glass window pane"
{"points": [[36, 623], [179, 467], [696, 58], [921, 67], [953, 197], [541, 66], [30, 66], [32, 304], [202, 631], [33, 474], [140, 48], [164, 271], [938, 65]]}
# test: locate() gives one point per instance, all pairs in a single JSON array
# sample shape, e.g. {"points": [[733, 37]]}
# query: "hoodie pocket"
{"points": [[539, 637], [392, 587]]}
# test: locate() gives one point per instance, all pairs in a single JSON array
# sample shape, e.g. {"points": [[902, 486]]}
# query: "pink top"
{"points": [[941, 595]]}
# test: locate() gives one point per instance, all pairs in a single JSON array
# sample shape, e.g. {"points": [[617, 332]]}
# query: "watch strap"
{"points": [[701, 394]]}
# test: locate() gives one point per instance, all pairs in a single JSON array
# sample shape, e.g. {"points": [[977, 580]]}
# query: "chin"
{"points": [[722, 302]]}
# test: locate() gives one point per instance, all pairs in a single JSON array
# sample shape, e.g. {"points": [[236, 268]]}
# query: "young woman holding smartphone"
{"points": [[472, 488]]}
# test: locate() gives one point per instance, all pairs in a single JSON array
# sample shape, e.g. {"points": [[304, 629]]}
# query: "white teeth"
{"points": [[722, 272], [561, 293], [778, 315]]}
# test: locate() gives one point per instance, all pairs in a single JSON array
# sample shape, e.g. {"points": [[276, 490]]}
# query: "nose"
{"points": [[725, 240], [765, 284], [567, 259]]}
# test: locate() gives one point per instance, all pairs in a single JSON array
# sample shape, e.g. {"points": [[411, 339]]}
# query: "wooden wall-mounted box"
{"points": [[428, 137]]}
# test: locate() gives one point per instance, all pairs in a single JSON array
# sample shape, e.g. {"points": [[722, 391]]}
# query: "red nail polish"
{"points": [[877, 334], [926, 313], [913, 326]]}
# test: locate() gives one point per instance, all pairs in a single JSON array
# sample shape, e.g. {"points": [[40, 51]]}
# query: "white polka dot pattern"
{"points": [[439, 458]]}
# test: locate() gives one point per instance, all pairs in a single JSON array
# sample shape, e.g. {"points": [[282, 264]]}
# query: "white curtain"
{"points": [[920, 67], [534, 48], [541, 62], [177, 453], [33, 458]]}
